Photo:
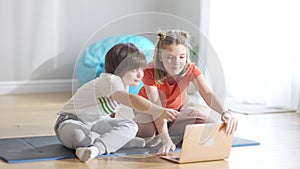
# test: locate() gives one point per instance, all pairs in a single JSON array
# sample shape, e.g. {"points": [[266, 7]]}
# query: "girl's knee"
{"points": [[143, 118], [146, 130]]}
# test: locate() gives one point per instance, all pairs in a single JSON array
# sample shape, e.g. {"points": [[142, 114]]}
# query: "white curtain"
{"points": [[258, 44], [34, 35], [298, 108]]}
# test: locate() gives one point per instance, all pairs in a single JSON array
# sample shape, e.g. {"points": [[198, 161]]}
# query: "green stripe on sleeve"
{"points": [[105, 105]]}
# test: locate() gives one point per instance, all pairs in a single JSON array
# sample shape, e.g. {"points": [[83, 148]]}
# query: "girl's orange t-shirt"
{"points": [[171, 95]]}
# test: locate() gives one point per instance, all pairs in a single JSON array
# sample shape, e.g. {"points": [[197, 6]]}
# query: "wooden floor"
{"points": [[35, 114]]}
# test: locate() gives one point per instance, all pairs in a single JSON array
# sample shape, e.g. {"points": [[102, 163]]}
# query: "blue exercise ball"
{"points": [[91, 64]]}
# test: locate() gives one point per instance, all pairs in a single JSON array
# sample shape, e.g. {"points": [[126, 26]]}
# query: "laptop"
{"points": [[203, 142]]}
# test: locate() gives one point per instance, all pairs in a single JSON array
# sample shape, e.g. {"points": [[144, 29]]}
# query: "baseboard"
{"points": [[36, 86]]}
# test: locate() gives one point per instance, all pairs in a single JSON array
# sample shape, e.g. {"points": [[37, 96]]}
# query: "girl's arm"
{"points": [[141, 104], [152, 94], [212, 101], [160, 124], [207, 94]]}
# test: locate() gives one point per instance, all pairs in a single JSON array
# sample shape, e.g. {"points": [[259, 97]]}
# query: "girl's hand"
{"points": [[166, 148], [230, 121], [167, 144]]}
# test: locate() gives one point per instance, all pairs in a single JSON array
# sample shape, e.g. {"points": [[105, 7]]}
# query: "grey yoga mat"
{"points": [[43, 148]]}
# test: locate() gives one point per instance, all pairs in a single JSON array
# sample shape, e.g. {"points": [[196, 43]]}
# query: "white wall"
{"points": [[41, 40]]}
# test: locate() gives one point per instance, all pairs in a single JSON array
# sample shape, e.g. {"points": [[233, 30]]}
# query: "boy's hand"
{"points": [[169, 114]]}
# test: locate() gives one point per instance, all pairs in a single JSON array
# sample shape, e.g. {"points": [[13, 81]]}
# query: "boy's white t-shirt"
{"points": [[92, 101]]}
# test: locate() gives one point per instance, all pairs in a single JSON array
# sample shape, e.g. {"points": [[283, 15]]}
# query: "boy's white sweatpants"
{"points": [[108, 134]]}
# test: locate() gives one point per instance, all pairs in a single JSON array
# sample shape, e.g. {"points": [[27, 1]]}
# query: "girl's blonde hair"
{"points": [[172, 37]]}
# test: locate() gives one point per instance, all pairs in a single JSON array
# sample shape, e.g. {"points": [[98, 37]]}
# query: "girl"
{"points": [[166, 81], [86, 122]]}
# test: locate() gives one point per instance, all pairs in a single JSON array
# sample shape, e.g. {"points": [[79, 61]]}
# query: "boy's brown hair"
{"points": [[124, 57]]}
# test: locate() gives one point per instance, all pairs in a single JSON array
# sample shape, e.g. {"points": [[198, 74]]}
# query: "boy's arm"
{"points": [[141, 104]]}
